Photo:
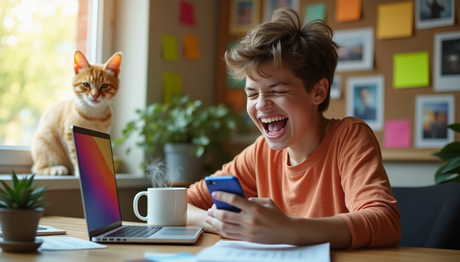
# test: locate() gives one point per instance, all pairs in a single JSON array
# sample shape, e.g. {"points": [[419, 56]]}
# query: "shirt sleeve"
{"points": [[373, 217], [242, 167]]}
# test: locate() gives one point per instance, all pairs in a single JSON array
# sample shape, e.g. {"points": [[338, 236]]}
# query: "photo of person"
{"points": [[365, 99], [434, 13], [434, 114], [447, 61], [435, 120], [365, 102], [244, 12], [450, 57], [272, 5]]}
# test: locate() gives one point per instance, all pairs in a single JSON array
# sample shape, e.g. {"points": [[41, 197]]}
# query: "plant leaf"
{"points": [[455, 127], [440, 176], [453, 147], [453, 166]]}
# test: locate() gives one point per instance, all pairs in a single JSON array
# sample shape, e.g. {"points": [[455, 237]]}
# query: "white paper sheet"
{"points": [[67, 243], [241, 251]]}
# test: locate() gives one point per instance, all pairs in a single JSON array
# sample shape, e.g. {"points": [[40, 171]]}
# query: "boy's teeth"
{"points": [[271, 119]]}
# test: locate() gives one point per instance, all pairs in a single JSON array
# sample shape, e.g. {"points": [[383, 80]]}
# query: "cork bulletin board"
{"points": [[399, 105]]}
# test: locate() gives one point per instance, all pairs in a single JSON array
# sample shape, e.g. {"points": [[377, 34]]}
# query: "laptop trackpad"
{"points": [[178, 232]]}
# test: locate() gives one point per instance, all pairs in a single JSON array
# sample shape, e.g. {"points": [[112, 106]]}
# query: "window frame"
{"points": [[108, 41]]}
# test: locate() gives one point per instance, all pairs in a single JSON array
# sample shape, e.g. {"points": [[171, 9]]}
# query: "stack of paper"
{"points": [[241, 251]]}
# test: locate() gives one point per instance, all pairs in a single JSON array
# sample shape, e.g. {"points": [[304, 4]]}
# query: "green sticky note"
{"points": [[231, 82], [411, 70], [169, 47], [315, 11], [172, 84]]}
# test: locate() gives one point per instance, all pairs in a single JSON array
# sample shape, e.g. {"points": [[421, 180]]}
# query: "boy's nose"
{"points": [[264, 103]]}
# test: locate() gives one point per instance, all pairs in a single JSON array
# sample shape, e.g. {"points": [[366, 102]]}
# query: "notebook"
{"points": [[100, 198]]}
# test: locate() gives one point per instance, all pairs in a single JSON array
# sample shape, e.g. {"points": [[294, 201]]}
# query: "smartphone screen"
{"points": [[228, 184]]}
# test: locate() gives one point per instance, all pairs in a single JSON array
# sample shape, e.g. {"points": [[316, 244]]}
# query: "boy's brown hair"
{"points": [[307, 49]]}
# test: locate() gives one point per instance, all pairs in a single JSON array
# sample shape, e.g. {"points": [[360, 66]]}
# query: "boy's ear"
{"points": [[80, 61], [320, 91], [113, 64]]}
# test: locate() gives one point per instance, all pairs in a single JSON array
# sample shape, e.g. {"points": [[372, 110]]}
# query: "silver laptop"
{"points": [[100, 197]]}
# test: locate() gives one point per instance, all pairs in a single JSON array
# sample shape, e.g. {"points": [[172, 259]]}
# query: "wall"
{"points": [[405, 167], [137, 30]]}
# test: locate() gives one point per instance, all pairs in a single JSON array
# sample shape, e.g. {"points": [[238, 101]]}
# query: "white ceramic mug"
{"points": [[166, 206]]}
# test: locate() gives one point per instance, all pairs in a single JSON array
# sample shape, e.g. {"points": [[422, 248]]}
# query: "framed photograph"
{"points": [[433, 115], [244, 15], [356, 50], [336, 87], [272, 5], [365, 99], [447, 61], [434, 13]]}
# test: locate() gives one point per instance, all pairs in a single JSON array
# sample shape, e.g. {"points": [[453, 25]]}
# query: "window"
{"points": [[107, 27], [37, 41]]}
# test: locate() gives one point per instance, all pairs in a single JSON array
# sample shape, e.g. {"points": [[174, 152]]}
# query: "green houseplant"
{"points": [[21, 207], [450, 154], [181, 122]]}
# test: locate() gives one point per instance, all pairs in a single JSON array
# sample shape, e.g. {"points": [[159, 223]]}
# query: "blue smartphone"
{"points": [[228, 184]]}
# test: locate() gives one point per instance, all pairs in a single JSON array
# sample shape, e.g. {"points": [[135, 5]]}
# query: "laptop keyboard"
{"points": [[135, 231]]}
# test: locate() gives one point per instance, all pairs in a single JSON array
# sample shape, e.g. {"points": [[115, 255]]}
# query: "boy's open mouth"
{"points": [[274, 125]]}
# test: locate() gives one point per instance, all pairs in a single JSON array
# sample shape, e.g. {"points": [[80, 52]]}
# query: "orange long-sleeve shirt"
{"points": [[343, 177]]}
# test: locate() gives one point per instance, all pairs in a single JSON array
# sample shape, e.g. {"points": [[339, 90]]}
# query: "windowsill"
{"points": [[72, 182]]}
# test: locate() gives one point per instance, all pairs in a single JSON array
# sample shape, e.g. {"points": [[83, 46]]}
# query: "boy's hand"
{"points": [[260, 220]]}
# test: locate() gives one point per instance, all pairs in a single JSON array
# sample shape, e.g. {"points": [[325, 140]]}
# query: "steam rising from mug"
{"points": [[159, 174]]}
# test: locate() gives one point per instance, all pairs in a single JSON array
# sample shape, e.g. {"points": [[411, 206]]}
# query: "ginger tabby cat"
{"points": [[94, 86]]}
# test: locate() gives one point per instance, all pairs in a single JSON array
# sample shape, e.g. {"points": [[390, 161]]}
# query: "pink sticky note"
{"points": [[186, 14], [397, 134]]}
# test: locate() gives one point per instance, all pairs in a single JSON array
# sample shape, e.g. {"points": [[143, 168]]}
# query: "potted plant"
{"points": [[185, 129], [21, 207], [450, 154]]}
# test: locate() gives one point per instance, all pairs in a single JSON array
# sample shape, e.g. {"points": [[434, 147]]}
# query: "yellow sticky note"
{"points": [[191, 50], [169, 47], [347, 10], [172, 84], [411, 70], [395, 20]]}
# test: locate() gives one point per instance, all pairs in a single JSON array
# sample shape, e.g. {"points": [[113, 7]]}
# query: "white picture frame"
{"points": [[271, 5], [356, 51], [447, 61], [336, 87], [244, 15], [365, 99], [430, 15], [428, 132]]}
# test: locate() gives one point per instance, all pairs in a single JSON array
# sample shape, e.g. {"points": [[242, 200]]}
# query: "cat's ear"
{"points": [[113, 64], [80, 61]]}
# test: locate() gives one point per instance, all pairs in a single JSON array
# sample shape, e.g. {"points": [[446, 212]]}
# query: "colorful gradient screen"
{"points": [[97, 178]]}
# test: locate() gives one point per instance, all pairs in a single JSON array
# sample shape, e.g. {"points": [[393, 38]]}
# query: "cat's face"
{"points": [[96, 85]]}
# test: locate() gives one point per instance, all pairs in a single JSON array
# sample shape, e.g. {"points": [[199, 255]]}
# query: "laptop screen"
{"points": [[97, 178]]}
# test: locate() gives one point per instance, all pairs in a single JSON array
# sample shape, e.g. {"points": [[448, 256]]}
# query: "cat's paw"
{"points": [[57, 170]]}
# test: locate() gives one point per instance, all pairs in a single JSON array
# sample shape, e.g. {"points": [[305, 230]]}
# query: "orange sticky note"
{"points": [[395, 20], [191, 50], [347, 10]]}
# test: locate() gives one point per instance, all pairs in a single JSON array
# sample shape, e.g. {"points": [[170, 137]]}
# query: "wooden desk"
{"points": [[76, 227]]}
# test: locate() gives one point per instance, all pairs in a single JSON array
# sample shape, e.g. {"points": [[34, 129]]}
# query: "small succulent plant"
{"points": [[22, 195]]}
